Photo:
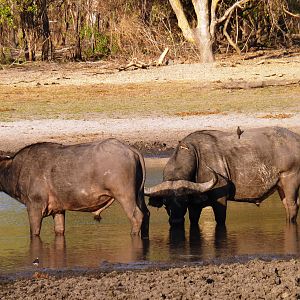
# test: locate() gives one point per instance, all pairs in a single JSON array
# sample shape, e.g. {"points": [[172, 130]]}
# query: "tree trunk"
{"points": [[2, 55], [200, 36], [78, 55], [202, 31], [27, 19], [45, 30]]}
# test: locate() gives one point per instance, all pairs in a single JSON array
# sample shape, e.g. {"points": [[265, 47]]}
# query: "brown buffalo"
{"points": [[51, 178], [245, 168]]}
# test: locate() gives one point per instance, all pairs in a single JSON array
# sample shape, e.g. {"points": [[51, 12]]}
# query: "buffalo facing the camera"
{"points": [[210, 167]]}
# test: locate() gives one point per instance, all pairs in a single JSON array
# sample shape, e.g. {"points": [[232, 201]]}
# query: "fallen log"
{"points": [[136, 64]]}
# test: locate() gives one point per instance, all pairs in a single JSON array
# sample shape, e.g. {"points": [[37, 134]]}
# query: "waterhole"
{"points": [[250, 231]]}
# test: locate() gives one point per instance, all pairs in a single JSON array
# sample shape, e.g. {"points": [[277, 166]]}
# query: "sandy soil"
{"points": [[270, 68], [147, 134], [253, 280]]}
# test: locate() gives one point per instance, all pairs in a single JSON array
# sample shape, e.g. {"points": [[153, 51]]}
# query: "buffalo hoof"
{"points": [[97, 218]]}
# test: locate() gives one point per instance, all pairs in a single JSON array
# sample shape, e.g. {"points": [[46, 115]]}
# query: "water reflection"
{"points": [[196, 245], [52, 256], [291, 239], [55, 255], [249, 231]]}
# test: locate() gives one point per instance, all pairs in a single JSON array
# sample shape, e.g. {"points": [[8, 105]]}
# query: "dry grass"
{"points": [[277, 116], [197, 113], [184, 99], [6, 109]]}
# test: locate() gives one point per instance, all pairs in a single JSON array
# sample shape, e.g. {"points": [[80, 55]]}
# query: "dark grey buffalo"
{"points": [[51, 178], [210, 167]]}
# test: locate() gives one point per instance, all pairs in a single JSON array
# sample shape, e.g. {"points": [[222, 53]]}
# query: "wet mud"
{"points": [[242, 279]]}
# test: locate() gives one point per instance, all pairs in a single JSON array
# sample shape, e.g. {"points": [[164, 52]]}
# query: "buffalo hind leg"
{"points": [[59, 223], [288, 191], [136, 221], [146, 215], [133, 213], [219, 207]]}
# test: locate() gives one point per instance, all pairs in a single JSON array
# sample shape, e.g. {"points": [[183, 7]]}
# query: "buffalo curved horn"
{"points": [[180, 187]]}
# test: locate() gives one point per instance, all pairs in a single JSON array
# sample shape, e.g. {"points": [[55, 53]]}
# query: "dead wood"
{"points": [[136, 64], [240, 85], [162, 57]]}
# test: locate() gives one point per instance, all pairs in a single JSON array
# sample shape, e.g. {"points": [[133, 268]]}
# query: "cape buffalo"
{"points": [[51, 178], [246, 169]]}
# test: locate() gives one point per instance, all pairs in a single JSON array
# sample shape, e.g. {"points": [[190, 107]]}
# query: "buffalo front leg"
{"points": [[194, 213], [35, 220], [288, 189], [219, 207], [59, 223]]}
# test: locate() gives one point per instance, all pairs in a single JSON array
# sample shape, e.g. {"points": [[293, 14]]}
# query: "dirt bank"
{"points": [[254, 280], [151, 135], [258, 69]]}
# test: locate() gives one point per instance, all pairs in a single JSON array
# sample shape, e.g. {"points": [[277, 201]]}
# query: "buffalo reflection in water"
{"points": [[57, 255], [217, 242]]}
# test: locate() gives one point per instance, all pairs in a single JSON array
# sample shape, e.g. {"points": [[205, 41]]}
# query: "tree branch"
{"points": [[290, 13], [230, 10], [182, 20], [230, 41], [212, 27]]}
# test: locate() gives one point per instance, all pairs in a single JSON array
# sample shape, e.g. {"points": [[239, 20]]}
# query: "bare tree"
{"points": [[203, 34]]}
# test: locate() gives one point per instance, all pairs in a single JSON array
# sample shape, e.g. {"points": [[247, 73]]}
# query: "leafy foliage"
{"points": [[90, 29], [6, 16]]}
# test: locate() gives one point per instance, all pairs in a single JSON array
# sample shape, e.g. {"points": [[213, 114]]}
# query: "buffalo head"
{"points": [[173, 195]]}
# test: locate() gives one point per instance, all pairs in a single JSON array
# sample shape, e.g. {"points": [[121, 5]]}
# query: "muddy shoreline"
{"points": [[106, 267], [252, 279]]}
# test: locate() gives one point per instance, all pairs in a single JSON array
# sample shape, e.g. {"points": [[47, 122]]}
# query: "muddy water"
{"points": [[250, 231]]}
